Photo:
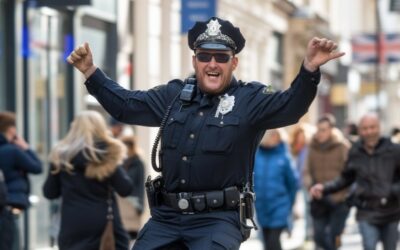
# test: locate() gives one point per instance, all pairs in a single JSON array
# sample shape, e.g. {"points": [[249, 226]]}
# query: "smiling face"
{"points": [[324, 132], [213, 77], [369, 130]]}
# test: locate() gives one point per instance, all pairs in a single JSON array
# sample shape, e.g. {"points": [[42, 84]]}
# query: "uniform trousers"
{"points": [[207, 230]]}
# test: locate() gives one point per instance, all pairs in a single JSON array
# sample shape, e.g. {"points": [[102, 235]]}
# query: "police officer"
{"points": [[210, 128]]}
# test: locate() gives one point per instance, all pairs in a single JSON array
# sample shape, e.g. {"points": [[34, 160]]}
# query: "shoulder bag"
{"points": [[107, 240]]}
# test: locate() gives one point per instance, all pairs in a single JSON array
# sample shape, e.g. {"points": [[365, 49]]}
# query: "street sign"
{"points": [[365, 48], [58, 3], [395, 5], [196, 10]]}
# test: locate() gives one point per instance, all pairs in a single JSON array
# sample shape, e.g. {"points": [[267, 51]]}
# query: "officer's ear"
{"points": [[194, 61], [235, 62]]}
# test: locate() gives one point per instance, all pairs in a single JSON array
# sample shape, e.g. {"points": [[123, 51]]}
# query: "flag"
{"points": [[365, 48]]}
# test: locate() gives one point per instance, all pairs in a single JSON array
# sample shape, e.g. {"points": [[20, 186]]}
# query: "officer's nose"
{"points": [[213, 62]]}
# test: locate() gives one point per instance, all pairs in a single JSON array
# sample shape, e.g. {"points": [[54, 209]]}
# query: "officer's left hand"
{"points": [[320, 51]]}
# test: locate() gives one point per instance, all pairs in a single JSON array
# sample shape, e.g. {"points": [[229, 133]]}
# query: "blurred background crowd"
{"points": [[143, 43]]}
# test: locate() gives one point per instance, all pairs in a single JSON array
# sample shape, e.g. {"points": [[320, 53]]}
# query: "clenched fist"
{"points": [[320, 51], [82, 59]]}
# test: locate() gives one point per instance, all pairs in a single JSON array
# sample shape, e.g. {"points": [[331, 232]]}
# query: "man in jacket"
{"points": [[17, 161], [211, 127], [326, 159], [373, 165]]}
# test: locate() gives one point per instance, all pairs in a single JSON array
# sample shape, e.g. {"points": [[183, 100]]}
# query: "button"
{"points": [[215, 201], [191, 136], [183, 181], [313, 79], [184, 158], [172, 119], [221, 122], [201, 113]]}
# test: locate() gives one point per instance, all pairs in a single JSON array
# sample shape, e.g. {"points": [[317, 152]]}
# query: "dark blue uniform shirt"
{"points": [[203, 151]]}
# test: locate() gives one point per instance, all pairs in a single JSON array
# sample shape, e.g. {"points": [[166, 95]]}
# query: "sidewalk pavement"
{"points": [[351, 239]]}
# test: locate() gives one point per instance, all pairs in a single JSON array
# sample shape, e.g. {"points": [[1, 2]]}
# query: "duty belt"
{"points": [[188, 202]]}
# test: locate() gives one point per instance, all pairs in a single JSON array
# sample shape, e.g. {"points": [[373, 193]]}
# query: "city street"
{"points": [[98, 95], [351, 239]]}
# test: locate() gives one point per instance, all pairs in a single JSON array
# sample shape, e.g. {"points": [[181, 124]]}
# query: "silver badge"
{"points": [[213, 28], [226, 103]]}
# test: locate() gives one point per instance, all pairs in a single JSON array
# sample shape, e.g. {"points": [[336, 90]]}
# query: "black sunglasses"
{"points": [[219, 57]]}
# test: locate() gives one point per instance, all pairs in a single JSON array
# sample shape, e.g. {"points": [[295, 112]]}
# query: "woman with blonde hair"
{"points": [[84, 172]]}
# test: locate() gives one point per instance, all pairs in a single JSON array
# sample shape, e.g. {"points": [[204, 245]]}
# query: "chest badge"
{"points": [[226, 103]]}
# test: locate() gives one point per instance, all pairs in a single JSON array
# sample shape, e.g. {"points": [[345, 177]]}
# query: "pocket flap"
{"points": [[215, 199], [179, 117], [226, 121]]}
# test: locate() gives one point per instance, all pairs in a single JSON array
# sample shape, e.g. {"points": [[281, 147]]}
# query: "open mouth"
{"points": [[213, 74]]}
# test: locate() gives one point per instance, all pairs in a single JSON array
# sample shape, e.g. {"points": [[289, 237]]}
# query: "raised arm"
{"points": [[319, 52], [82, 59]]}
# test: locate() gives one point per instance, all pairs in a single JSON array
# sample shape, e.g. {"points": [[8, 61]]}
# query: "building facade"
{"points": [[140, 44]]}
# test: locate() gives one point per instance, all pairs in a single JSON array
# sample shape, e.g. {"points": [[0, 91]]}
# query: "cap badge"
{"points": [[226, 103], [213, 28], [212, 34]]}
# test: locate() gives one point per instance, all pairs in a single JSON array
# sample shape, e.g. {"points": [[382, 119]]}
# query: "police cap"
{"points": [[217, 34]]}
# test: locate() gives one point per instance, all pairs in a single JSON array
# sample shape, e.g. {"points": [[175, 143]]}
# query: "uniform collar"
{"points": [[209, 100]]}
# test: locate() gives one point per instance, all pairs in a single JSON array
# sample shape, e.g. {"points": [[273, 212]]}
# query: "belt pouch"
{"points": [[215, 199], [153, 190], [199, 202], [232, 197]]}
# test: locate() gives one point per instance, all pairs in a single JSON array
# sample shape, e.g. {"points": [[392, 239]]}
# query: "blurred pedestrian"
{"points": [[373, 166], [395, 135], [326, 160], [5, 239], [351, 132], [275, 185], [17, 161], [299, 146], [84, 172], [210, 128], [116, 127], [131, 207]]}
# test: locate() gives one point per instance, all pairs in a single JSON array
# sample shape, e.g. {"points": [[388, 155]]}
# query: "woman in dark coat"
{"points": [[83, 166]]}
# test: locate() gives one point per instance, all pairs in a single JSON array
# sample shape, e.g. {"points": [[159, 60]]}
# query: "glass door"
{"points": [[49, 108]]}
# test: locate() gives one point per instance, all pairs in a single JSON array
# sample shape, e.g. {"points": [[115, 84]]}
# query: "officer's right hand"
{"points": [[316, 191], [82, 59]]}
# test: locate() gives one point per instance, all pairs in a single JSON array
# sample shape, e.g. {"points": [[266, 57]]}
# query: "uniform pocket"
{"points": [[221, 134], [221, 241], [174, 129]]}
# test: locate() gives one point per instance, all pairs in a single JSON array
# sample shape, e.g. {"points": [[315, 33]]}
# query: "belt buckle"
{"points": [[183, 201]]}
